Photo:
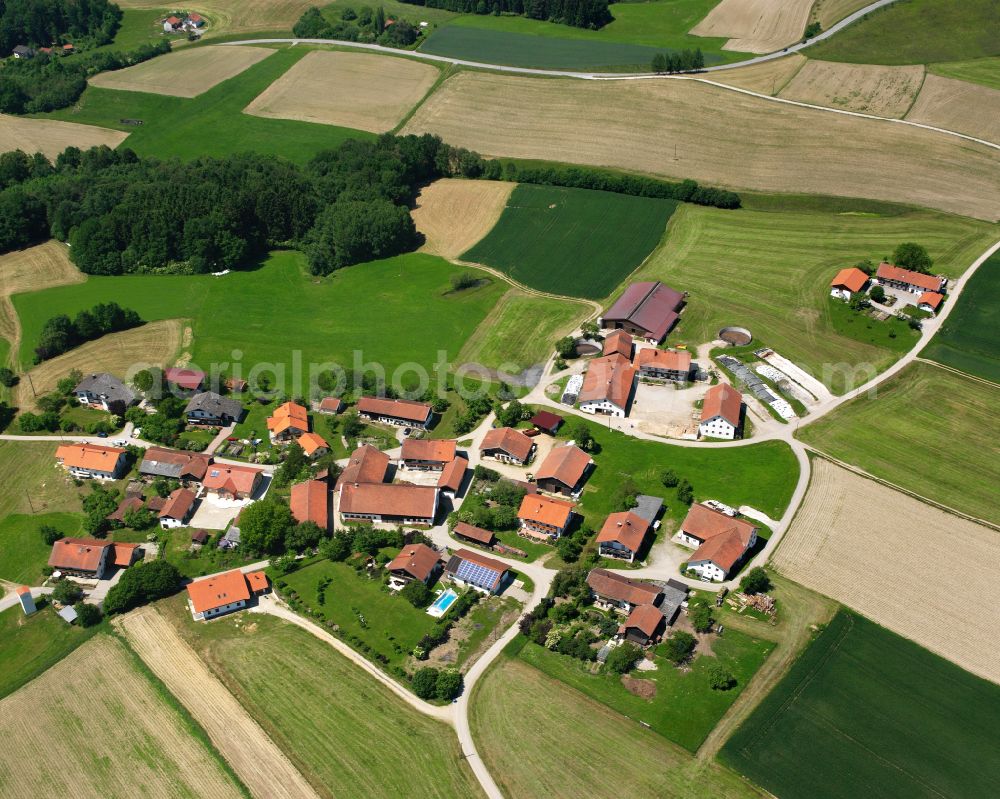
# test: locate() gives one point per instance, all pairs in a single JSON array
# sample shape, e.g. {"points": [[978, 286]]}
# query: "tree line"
{"points": [[591, 14], [364, 25], [47, 82], [48, 22], [60, 333], [678, 61]]}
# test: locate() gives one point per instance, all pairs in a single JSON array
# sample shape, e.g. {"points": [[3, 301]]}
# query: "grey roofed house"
{"points": [[106, 389], [23, 51], [231, 539], [674, 594], [211, 406], [647, 507]]}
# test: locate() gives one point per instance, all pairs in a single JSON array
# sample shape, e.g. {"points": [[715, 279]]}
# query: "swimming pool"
{"points": [[442, 603]]}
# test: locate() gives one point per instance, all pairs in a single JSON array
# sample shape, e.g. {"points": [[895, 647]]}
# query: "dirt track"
{"points": [[92, 726], [261, 765], [919, 571]]}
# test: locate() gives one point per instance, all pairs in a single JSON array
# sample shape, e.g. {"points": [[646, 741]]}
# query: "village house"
{"points": [[310, 502], [388, 503], [914, 282], [648, 310], [367, 464], [607, 386], [721, 412], [622, 536], [507, 445], [177, 509], [209, 408], [23, 51], [289, 420], [484, 574], [414, 562], [452, 476], [644, 626], [233, 482], [224, 593], [847, 282], [547, 422], [175, 464], [427, 454], [195, 19], [313, 445], [930, 301], [92, 461], [329, 406], [130, 503], [614, 591], [721, 541], [106, 392], [91, 558], [401, 413], [563, 471], [184, 379], [543, 517], [476, 535], [666, 365], [618, 343]]}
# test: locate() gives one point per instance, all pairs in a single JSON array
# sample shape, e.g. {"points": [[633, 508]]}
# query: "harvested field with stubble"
{"points": [[957, 105], [353, 90], [184, 74], [93, 725], [260, 764], [51, 137], [910, 567], [152, 344], [867, 88], [454, 214], [769, 77], [828, 12], [756, 26], [721, 137]]}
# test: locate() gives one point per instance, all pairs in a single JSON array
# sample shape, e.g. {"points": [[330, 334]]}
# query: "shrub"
{"points": [[87, 615], [877, 294], [678, 647], [142, 583], [67, 592], [449, 684], [416, 593], [910, 255], [755, 581], [425, 682], [50, 534], [701, 617], [685, 493], [720, 678], [622, 658], [669, 478]]}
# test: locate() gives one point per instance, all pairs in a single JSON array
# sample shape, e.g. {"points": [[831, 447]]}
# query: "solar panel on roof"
{"points": [[476, 574]]}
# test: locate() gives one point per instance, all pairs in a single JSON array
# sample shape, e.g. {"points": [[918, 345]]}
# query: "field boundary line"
{"points": [[527, 289], [959, 372], [912, 494], [916, 95]]}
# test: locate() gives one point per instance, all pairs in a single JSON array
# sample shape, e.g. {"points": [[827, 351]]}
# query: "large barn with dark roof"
{"points": [[648, 310]]}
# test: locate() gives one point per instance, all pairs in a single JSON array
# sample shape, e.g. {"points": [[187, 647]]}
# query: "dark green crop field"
{"points": [[576, 242], [864, 712], [970, 339]]}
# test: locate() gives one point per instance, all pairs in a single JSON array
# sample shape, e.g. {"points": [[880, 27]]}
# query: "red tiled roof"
{"points": [[474, 533], [331, 404], [918, 279], [543, 510], [608, 379], [397, 409], [673, 360], [185, 378], [387, 499], [222, 589], [722, 400], [122, 553], [127, 504], [621, 589], [312, 442], [257, 581], [724, 538], [627, 528], [931, 298], [416, 560], [77, 554], [89, 456], [288, 415], [649, 306], [178, 504], [453, 474], [567, 464], [193, 464], [428, 449], [546, 420], [852, 279], [231, 478], [367, 464], [645, 618], [513, 442], [309, 503], [619, 341]]}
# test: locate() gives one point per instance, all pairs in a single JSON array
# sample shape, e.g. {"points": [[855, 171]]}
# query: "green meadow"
{"points": [[985, 71], [864, 712], [577, 242], [392, 312], [212, 124], [22, 551]]}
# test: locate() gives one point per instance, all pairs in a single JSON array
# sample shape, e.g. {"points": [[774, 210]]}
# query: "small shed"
{"points": [[547, 422], [68, 614], [199, 537]]}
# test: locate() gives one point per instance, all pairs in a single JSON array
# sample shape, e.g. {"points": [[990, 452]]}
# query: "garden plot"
{"points": [[756, 26], [908, 566], [354, 90], [184, 74]]}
